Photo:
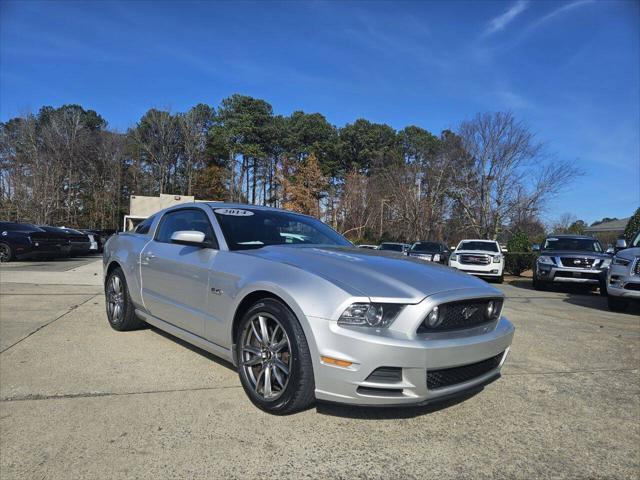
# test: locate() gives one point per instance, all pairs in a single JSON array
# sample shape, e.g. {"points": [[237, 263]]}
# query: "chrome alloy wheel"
{"points": [[115, 299], [266, 356]]}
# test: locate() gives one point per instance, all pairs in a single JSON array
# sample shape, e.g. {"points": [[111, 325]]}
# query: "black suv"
{"points": [[571, 259], [430, 252]]}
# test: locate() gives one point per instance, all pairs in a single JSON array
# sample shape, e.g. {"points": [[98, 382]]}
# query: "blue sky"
{"points": [[569, 69]]}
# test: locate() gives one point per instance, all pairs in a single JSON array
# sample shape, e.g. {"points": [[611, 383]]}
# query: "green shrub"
{"points": [[517, 262], [633, 226], [519, 242]]}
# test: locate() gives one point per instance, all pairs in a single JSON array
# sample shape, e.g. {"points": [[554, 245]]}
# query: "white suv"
{"points": [[479, 257]]}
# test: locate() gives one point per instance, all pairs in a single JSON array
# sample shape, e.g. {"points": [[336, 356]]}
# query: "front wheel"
{"points": [[273, 359], [120, 309]]}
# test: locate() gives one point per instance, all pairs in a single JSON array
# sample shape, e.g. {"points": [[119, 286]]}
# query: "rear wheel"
{"points": [[273, 359], [120, 309], [617, 304], [6, 254]]}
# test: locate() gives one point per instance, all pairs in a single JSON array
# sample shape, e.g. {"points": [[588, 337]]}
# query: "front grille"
{"points": [[452, 376], [633, 286], [586, 275], [475, 259], [577, 262], [636, 268], [463, 314]]}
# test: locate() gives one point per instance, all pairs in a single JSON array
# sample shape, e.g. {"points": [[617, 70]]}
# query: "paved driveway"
{"points": [[79, 400]]}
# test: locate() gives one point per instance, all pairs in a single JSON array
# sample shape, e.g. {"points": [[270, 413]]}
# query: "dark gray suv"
{"points": [[571, 259]]}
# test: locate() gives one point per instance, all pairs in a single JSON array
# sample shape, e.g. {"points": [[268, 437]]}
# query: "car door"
{"points": [[175, 277]]}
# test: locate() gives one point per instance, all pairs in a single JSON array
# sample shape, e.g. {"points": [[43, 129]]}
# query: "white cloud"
{"points": [[559, 11], [501, 21]]}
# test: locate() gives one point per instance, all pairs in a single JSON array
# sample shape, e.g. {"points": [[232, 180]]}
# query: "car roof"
{"points": [[577, 237], [478, 240]]}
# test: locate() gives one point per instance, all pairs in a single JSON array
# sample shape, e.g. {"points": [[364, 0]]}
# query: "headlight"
{"points": [[497, 259], [378, 315], [546, 260], [605, 263], [621, 261], [436, 257]]}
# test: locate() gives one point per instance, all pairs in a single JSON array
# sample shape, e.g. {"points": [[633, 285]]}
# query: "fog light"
{"points": [[433, 319]]}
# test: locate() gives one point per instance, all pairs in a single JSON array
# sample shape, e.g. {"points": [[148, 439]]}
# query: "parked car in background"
{"points": [[316, 320], [430, 252], [479, 257], [370, 247], [23, 240], [80, 243], [574, 259], [94, 239], [623, 276], [394, 247]]}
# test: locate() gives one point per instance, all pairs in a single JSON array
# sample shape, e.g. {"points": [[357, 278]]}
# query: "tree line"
{"points": [[486, 178]]}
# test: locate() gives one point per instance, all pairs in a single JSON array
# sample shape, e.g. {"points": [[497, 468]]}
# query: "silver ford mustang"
{"points": [[303, 314]]}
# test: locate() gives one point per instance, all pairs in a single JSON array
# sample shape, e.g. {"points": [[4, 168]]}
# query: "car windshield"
{"points": [[395, 247], [636, 241], [479, 245], [247, 228], [575, 244], [428, 247]]}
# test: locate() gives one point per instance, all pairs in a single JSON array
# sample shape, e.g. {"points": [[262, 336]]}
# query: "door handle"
{"points": [[149, 255]]}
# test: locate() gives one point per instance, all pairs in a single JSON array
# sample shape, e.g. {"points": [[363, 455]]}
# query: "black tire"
{"points": [[500, 279], [603, 286], [6, 252], [617, 304], [126, 319], [298, 391]]}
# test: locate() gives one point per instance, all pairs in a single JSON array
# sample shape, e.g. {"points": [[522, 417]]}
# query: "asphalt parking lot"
{"points": [[79, 400]]}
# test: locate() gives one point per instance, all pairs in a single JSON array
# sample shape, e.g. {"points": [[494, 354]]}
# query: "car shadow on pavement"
{"points": [[193, 348], [392, 412], [341, 410], [576, 295]]}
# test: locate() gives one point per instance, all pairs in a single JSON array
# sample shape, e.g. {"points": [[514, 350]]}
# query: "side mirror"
{"points": [[610, 251], [189, 237], [535, 247], [621, 244]]}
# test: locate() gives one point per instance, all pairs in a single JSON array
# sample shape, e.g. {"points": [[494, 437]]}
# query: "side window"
{"points": [[144, 227], [187, 219]]}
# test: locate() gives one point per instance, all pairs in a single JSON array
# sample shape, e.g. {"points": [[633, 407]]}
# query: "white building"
{"points": [[141, 207]]}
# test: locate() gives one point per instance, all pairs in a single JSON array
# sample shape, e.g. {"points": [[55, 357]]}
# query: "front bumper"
{"points": [[490, 270], [554, 273], [415, 355], [621, 283]]}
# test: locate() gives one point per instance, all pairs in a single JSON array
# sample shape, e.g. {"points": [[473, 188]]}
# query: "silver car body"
{"points": [[623, 276], [199, 296]]}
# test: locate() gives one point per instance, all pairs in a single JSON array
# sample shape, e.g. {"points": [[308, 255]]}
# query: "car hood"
{"points": [[629, 253], [478, 252], [373, 273], [574, 253]]}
